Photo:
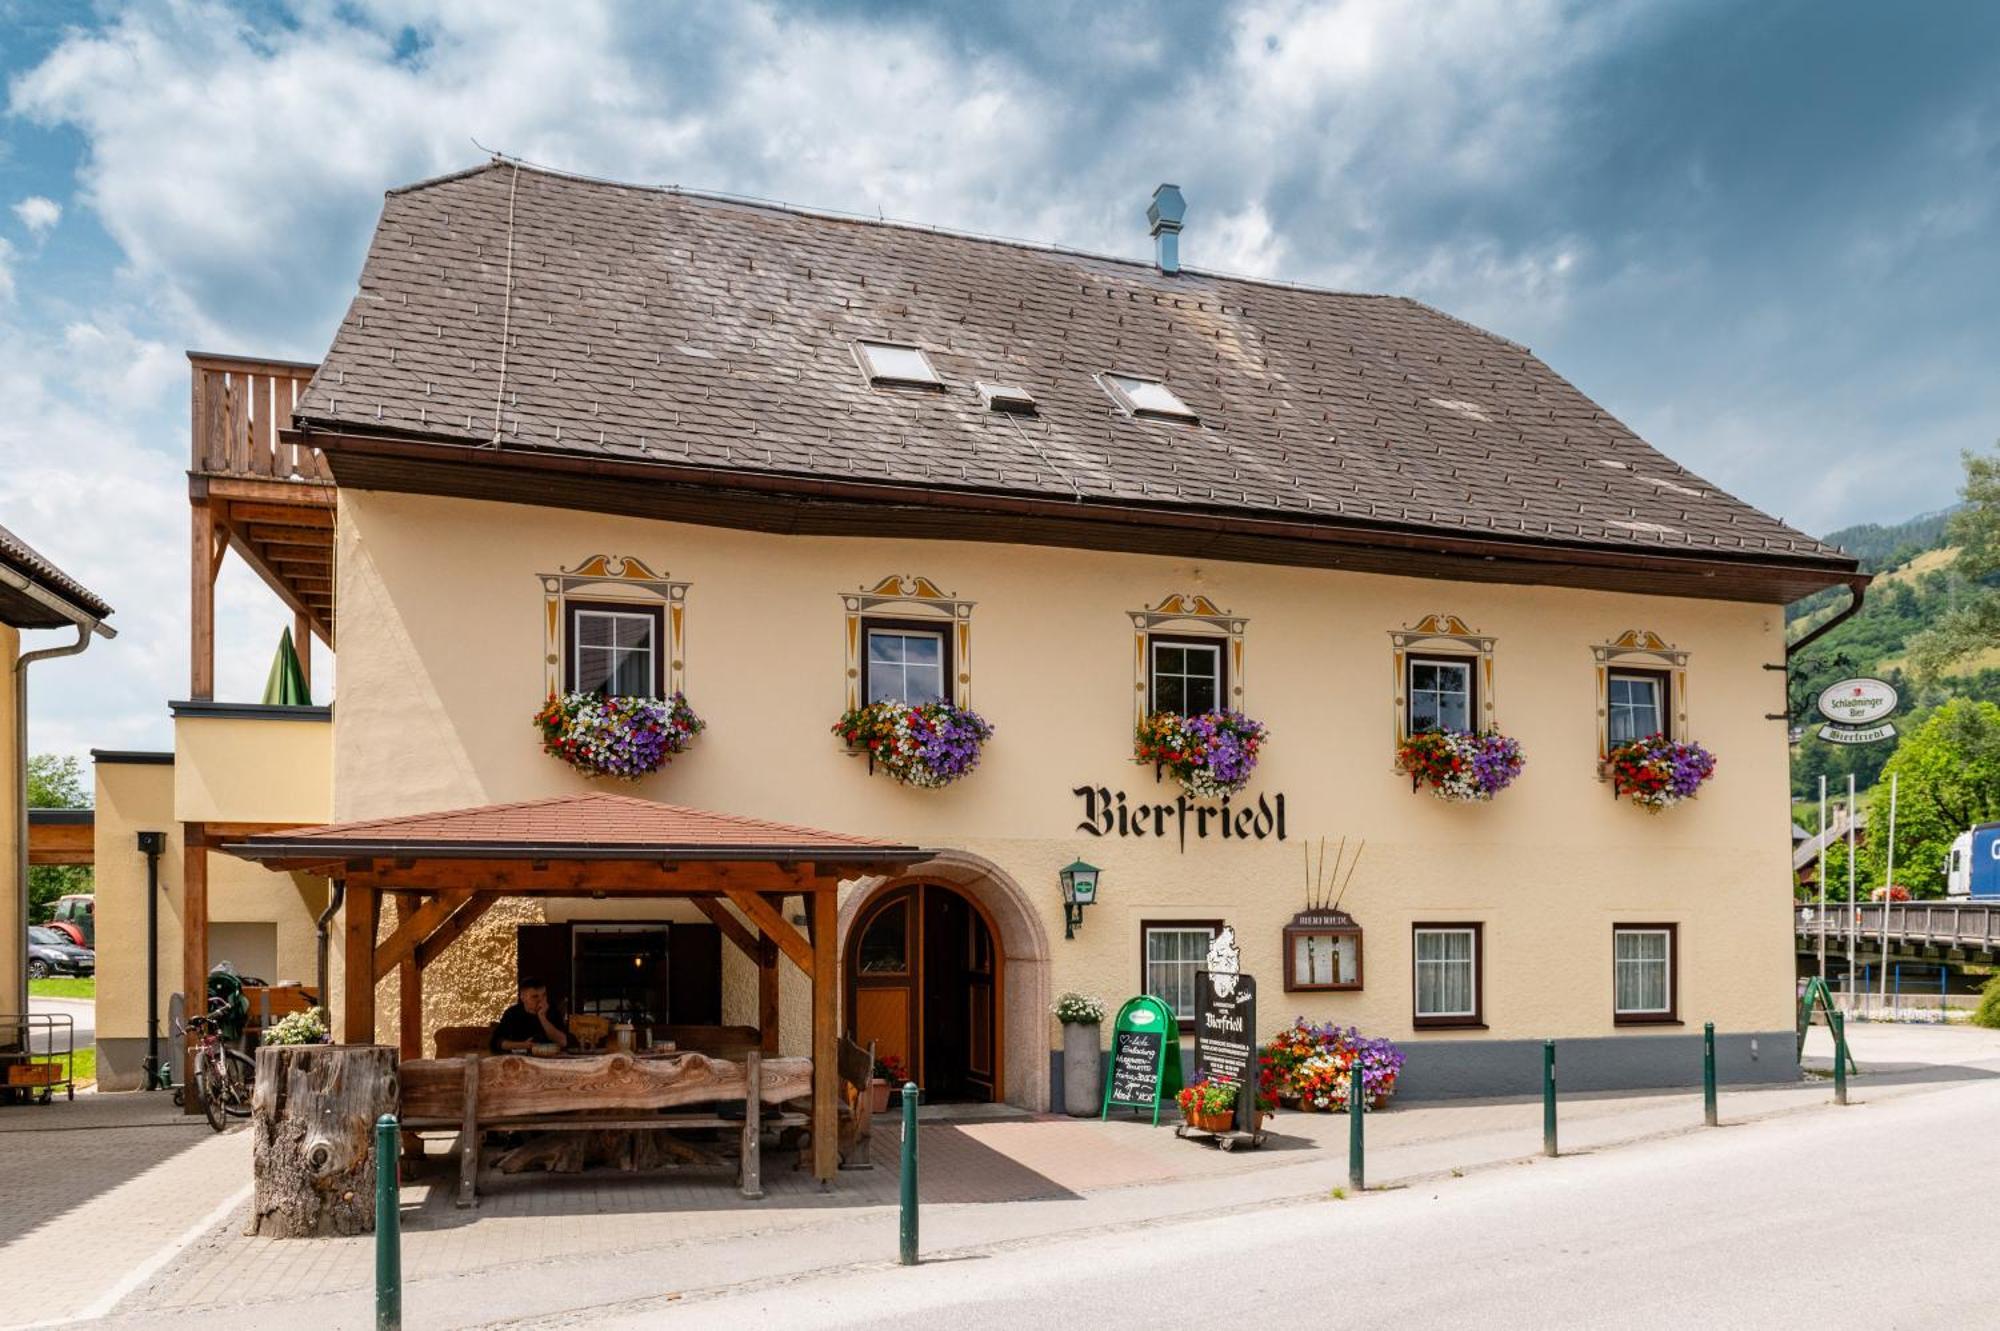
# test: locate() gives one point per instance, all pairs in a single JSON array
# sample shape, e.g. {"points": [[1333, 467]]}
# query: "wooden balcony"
{"points": [[270, 501]]}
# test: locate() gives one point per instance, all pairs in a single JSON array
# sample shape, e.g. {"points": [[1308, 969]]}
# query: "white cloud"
{"points": [[38, 214]]}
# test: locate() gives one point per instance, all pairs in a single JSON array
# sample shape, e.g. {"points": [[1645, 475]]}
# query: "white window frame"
{"points": [[1192, 966], [1218, 676], [1149, 399], [878, 372], [1466, 666], [1473, 963], [938, 635], [1655, 684], [1667, 963], [577, 648]]}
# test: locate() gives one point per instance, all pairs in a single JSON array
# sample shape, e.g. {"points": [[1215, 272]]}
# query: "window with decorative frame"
{"points": [[907, 641], [1171, 953], [612, 624], [1447, 975], [1645, 974], [1187, 657], [1443, 677], [1641, 682]]}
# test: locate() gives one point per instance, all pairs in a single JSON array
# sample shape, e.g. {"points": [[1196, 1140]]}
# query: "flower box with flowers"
{"points": [[1212, 754], [626, 738], [1210, 1106], [1657, 773], [1461, 766], [889, 1075], [1313, 1065], [928, 745]]}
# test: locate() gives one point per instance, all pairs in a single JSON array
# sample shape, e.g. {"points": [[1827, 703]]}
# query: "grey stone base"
{"points": [[1438, 1069]]}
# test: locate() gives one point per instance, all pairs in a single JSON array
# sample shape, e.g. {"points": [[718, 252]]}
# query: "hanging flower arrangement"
{"points": [[1461, 765], [1311, 1065], [1211, 754], [1657, 773], [626, 738], [930, 745]]}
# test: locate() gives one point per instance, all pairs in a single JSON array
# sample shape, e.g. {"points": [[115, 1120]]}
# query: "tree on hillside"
{"points": [[1948, 778], [1973, 623], [55, 783]]}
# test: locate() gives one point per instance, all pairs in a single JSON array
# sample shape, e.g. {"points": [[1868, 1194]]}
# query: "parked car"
{"points": [[75, 917], [49, 953]]}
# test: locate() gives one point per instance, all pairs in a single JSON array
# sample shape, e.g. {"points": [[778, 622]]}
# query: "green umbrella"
{"points": [[287, 685]]}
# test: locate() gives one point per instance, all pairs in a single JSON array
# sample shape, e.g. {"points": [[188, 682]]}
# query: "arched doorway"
{"points": [[926, 983]]}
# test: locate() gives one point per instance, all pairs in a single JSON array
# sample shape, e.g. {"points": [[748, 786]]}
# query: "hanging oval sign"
{"points": [[1857, 702]]}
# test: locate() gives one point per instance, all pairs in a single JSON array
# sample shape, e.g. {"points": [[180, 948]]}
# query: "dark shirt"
{"points": [[517, 1024]]}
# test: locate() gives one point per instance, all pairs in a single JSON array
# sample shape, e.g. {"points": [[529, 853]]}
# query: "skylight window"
{"points": [[1146, 397], [893, 363]]}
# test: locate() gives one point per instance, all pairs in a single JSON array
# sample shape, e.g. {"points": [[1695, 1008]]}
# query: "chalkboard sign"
{"points": [[1145, 1057], [1225, 1038]]}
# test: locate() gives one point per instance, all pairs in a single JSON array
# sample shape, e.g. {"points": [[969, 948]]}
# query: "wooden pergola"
{"points": [[445, 870]]}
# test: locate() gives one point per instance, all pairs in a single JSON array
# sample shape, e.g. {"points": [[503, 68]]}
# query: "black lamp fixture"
{"points": [[1079, 889]]}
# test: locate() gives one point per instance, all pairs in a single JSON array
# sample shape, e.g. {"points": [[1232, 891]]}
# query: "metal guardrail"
{"points": [[1971, 925]]}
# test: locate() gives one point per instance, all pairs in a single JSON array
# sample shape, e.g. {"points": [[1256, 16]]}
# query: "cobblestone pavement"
{"points": [[543, 1247], [58, 1156]]}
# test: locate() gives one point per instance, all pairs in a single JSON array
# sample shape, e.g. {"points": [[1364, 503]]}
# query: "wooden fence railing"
{"points": [[1945, 924], [239, 406]]}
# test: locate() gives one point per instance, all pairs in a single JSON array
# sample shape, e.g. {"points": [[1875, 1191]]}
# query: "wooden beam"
{"points": [[770, 1008], [221, 832], [558, 877], [313, 511], [280, 586], [775, 927], [447, 933], [413, 928], [825, 1036], [302, 642], [410, 988], [286, 494], [358, 946], [732, 928], [194, 943], [62, 843], [201, 604], [270, 533]]}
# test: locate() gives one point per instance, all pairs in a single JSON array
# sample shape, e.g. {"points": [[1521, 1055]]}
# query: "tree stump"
{"points": [[314, 1112]]}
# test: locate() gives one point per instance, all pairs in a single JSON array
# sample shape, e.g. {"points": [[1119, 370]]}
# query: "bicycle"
{"points": [[222, 1076]]}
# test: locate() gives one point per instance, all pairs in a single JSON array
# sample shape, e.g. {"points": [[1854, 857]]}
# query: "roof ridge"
{"points": [[763, 204]]}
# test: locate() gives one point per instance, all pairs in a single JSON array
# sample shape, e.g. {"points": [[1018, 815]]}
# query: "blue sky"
{"points": [[1762, 234]]}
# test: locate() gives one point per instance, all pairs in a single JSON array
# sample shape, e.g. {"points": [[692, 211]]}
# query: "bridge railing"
{"points": [[1950, 924]]}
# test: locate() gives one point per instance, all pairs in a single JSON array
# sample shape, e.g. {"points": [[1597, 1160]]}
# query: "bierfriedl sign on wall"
{"points": [[1857, 711]]}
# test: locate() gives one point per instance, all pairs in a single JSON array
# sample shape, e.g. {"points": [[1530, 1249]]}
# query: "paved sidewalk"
{"points": [[542, 1248]]}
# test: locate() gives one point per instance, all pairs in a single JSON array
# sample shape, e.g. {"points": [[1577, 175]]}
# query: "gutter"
{"points": [[1857, 588], [87, 625]]}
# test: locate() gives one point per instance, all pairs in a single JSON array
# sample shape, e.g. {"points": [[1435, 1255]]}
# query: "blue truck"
{"points": [[1973, 871]]}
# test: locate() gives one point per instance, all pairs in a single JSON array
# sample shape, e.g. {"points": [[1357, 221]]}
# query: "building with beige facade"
{"points": [[579, 437]]}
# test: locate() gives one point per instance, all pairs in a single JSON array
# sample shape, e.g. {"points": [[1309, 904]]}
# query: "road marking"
{"points": [[146, 1270]]}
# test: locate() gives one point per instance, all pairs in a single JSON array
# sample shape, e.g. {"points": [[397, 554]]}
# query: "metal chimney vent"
{"points": [[1009, 398], [1165, 214]]}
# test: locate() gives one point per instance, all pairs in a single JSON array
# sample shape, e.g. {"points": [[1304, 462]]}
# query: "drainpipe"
{"points": [[333, 901], [86, 624], [151, 844]]}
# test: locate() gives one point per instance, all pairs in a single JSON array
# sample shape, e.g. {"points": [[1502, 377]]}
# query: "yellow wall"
{"points": [[11, 758], [252, 770], [442, 666], [136, 797]]}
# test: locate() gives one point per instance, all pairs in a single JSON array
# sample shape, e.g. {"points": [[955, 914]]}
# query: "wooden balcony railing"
{"points": [[239, 407]]}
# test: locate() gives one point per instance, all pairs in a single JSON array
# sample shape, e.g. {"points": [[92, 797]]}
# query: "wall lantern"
{"points": [[1079, 889]]}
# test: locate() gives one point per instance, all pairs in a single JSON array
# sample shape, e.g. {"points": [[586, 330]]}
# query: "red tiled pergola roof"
{"points": [[596, 825]]}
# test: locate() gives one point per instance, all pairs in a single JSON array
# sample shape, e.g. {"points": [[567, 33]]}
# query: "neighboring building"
{"points": [[34, 594], [575, 434]]}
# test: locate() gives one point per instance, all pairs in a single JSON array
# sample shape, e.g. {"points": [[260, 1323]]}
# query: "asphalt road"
{"points": [[82, 1012], [1868, 1215]]}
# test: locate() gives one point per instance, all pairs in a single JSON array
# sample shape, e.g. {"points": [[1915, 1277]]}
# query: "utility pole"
{"points": [[1888, 886], [1853, 907], [1822, 877]]}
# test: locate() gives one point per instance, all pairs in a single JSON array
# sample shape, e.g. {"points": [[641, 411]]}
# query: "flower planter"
{"points": [[928, 746], [1221, 1121], [1083, 1069], [1657, 773], [1460, 766], [878, 1096], [625, 738], [1212, 755]]}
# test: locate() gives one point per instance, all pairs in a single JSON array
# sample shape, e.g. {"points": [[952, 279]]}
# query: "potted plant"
{"points": [[1657, 773], [1209, 1106], [1461, 766], [929, 745], [1312, 1065], [626, 738], [890, 1074], [307, 1027], [1211, 754], [1081, 1016]]}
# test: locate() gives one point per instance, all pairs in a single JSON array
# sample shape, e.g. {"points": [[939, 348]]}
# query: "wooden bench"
{"points": [[601, 1093]]}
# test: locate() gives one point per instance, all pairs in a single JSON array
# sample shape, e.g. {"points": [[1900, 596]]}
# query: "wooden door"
{"points": [[883, 974]]}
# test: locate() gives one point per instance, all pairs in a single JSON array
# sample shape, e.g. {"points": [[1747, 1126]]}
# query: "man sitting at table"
{"points": [[528, 1022]]}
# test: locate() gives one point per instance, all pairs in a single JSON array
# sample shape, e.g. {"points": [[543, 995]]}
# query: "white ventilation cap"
{"points": [[1010, 398]]}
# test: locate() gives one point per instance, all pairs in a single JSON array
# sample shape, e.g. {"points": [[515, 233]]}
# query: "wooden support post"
{"points": [[194, 945], [768, 1004], [206, 562], [468, 1136], [410, 988], [358, 993], [753, 1126], [824, 904], [302, 642]]}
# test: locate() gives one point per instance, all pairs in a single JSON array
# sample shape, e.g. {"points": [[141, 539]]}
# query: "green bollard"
{"points": [[388, 1229], [1708, 1073], [908, 1237], [1548, 1097], [1357, 1105], [1839, 1023]]}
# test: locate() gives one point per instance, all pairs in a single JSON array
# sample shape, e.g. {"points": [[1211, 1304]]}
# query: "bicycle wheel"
{"points": [[239, 1075], [208, 1084]]}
